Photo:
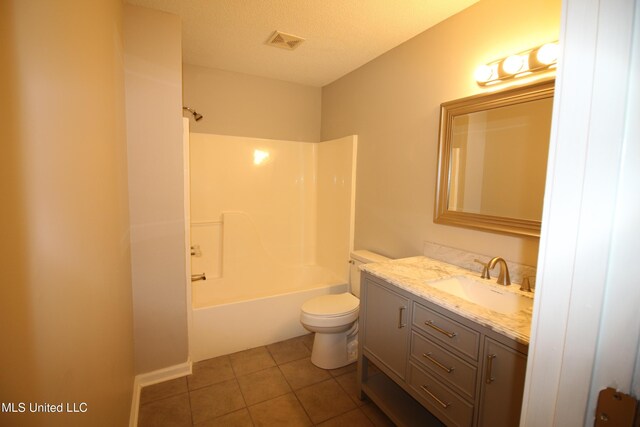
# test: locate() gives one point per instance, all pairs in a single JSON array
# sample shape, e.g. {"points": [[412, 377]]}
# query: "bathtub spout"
{"points": [[196, 277]]}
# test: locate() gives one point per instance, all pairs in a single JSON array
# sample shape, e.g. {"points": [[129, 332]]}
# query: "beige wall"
{"points": [[153, 73], [66, 311], [392, 104], [244, 105]]}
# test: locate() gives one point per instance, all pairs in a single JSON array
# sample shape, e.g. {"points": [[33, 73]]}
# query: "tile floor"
{"points": [[275, 385]]}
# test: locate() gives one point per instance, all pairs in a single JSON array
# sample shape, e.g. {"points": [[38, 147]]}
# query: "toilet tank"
{"points": [[361, 257]]}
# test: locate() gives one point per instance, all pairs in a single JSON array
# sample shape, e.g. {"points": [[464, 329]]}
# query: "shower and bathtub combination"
{"points": [[271, 227]]}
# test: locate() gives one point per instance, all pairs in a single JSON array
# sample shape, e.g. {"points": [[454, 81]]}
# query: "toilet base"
{"points": [[331, 351]]}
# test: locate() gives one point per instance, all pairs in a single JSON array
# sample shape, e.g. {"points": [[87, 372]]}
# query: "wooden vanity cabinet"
{"points": [[435, 367]]}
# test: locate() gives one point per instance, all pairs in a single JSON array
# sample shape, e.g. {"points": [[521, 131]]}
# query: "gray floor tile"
{"points": [[324, 400], [210, 371], [215, 400], [169, 412], [302, 373], [263, 385], [345, 369], [308, 341], [377, 417], [355, 418], [289, 350], [349, 383], [239, 418], [163, 389], [253, 388], [281, 411], [248, 361]]}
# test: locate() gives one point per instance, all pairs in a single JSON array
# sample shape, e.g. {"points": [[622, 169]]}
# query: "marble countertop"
{"points": [[413, 275]]}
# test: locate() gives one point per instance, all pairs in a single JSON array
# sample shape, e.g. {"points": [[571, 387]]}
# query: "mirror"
{"points": [[492, 160]]}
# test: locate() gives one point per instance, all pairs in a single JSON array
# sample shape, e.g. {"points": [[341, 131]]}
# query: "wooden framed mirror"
{"points": [[492, 159]]}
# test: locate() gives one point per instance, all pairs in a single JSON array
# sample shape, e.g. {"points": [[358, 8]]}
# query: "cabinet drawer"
{"points": [[438, 361], [447, 331], [438, 399]]}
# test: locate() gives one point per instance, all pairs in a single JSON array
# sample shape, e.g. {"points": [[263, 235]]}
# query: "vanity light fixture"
{"points": [[541, 58]]}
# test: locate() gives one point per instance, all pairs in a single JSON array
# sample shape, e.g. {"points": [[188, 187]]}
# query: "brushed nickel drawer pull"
{"points": [[442, 331], [440, 402], [435, 362], [489, 372], [400, 312]]}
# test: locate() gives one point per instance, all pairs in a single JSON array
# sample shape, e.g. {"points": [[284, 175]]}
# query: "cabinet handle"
{"points": [[442, 331], [438, 364], [489, 373], [440, 402], [400, 313]]}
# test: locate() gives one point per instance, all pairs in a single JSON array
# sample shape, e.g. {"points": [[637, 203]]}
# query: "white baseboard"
{"points": [[161, 375]]}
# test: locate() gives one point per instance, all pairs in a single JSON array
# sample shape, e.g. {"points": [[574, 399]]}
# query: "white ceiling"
{"points": [[340, 35]]}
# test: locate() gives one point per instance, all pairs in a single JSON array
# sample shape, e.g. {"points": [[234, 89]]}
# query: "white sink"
{"points": [[482, 294]]}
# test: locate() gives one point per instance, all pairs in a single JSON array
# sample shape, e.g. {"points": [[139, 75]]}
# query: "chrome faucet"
{"points": [[503, 277]]}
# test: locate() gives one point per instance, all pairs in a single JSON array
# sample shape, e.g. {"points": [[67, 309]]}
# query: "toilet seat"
{"points": [[331, 305], [330, 310]]}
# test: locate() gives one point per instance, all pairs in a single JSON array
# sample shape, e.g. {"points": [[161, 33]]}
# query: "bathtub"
{"points": [[268, 235], [230, 316]]}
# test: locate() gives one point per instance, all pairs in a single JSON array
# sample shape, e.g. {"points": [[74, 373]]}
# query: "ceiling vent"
{"points": [[284, 40]]}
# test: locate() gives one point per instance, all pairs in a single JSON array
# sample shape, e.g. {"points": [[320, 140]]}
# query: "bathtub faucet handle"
{"points": [[196, 277]]}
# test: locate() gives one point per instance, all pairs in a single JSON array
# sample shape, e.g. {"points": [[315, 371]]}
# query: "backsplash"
{"points": [[465, 259]]}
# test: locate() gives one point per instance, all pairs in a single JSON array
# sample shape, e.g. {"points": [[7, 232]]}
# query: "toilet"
{"points": [[334, 318]]}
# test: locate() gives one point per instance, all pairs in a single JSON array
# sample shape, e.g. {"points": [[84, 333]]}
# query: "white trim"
{"points": [[352, 206], [155, 377], [164, 374], [620, 325], [187, 226], [580, 220]]}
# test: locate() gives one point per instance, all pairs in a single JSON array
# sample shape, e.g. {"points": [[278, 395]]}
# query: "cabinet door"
{"points": [[386, 333], [502, 385]]}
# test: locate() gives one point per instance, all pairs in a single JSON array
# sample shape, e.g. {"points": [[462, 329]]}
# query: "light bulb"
{"points": [[547, 54], [484, 73], [512, 64]]}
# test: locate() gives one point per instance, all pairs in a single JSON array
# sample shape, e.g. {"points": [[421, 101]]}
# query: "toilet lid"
{"points": [[331, 305]]}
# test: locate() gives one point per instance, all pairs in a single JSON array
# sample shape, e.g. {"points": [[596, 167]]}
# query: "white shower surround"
{"points": [[272, 235]]}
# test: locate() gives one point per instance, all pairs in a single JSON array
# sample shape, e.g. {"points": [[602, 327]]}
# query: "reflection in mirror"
{"points": [[492, 160]]}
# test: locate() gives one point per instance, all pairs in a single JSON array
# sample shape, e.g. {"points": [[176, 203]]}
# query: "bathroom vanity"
{"points": [[436, 350]]}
